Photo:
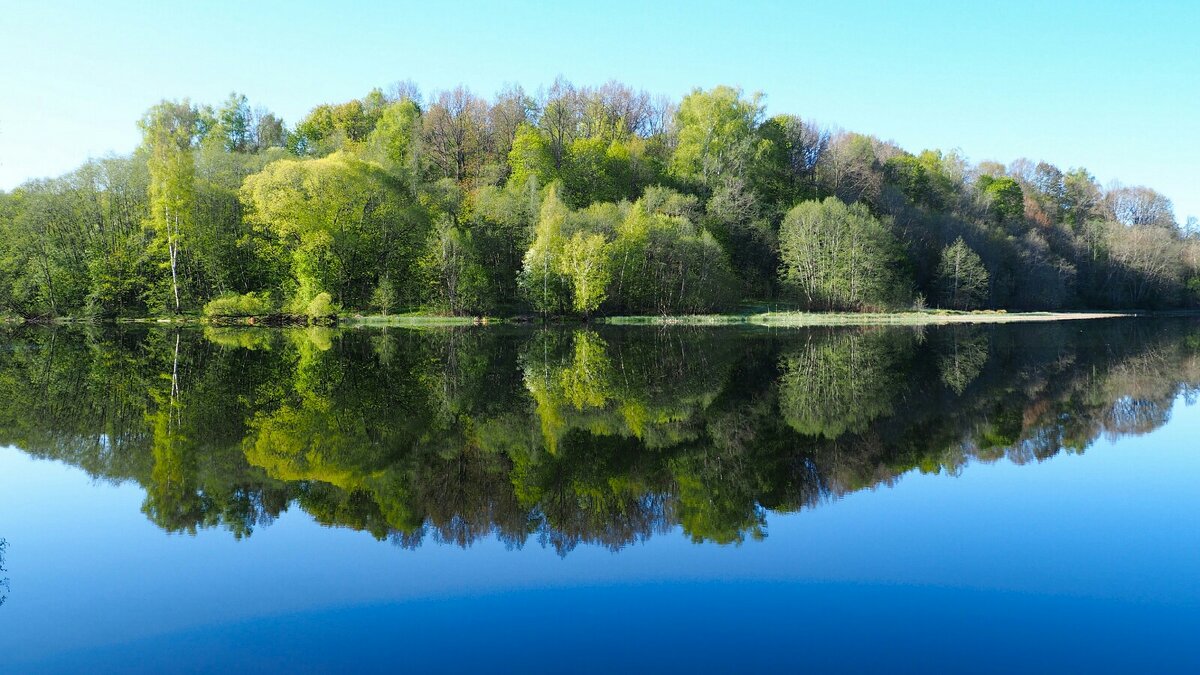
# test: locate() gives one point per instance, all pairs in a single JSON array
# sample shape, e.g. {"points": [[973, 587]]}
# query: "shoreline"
{"points": [[767, 320], [764, 319]]}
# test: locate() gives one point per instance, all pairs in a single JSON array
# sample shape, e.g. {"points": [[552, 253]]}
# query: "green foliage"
{"points": [[663, 265], [603, 436], [1006, 199], [235, 305], [542, 281], [530, 158], [921, 179], [395, 139], [321, 306], [386, 203], [168, 130], [963, 359], [841, 257], [235, 124], [456, 282], [346, 223], [715, 135], [329, 128], [840, 382], [962, 279], [584, 262], [384, 297], [625, 259]]}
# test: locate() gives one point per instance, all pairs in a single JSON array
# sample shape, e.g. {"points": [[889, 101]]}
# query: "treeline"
{"points": [[563, 436], [576, 200]]}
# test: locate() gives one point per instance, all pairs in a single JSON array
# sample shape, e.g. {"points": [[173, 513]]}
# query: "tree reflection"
{"points": [[3, 569], [602, 436]]}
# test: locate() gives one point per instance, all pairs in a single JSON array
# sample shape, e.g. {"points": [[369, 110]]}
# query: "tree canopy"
{"points": [[575, 200]]}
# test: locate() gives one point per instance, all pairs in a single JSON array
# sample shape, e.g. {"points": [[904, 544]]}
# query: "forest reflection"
{"points": [[567, 436]]}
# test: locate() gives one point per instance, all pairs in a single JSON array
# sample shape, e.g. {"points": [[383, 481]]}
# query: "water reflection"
{"points": [[3, 579], [597, 435]]}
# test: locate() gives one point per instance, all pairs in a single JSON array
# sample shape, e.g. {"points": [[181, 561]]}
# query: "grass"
{"points": [[798, 319], [413, 319], [752, 314]]}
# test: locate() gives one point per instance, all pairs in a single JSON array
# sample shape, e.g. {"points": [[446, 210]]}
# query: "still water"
{"points": [[966, 498]]}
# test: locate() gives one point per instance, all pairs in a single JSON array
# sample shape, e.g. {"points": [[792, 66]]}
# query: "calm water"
{"points": [[960, 498]]}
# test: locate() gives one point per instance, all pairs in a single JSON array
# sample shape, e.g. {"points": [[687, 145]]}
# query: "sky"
{"points": [[1110, 86]]}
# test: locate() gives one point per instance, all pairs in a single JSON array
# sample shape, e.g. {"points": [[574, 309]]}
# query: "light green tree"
{"points": [[836, 256], [395, 141], [962, 280], [716, 136], [168, 130], [585, 263], [347, 224], [542, 282]]}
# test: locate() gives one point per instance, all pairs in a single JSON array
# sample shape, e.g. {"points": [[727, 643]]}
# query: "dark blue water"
{"points": [[984, 500]]}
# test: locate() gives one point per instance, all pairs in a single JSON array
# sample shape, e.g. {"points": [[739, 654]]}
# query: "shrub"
{"points": [[234, 305], [320, 307]]}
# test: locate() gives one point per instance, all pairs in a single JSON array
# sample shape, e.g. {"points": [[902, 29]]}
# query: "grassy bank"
{"points": [[777, 319], [915, 318], [774, 319]]}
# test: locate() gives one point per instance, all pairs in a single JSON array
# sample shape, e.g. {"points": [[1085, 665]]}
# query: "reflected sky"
{"points": [[1075, 561]]}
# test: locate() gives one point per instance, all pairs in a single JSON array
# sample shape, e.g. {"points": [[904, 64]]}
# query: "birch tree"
{"points": [[168, 130]]}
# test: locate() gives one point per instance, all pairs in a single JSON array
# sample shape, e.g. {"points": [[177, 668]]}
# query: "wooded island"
{"points": [[574, 201]]}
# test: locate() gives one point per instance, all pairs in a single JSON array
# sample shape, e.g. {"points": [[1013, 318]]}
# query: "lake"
{"points": [[500, 498]]}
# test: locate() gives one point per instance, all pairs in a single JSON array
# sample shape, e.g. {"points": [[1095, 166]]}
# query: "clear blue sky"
{"points": [[1111, 86]]}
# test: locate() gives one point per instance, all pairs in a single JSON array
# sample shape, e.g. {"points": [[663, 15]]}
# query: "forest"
{"points": [[570, 201], [566, 436]]}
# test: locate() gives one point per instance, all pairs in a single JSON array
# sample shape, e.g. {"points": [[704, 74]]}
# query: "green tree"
{"points": [[840, 382], [530, 157], [236, 124], [715, 132], [347, 224], [457, 283], [168, 131], [836, 256], [395, 141], [585, 264], [1006, 200], [962, 280], [542, 281]]}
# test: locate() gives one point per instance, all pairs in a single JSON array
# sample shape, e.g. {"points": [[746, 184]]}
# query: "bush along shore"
{"points": [[579, 202]]}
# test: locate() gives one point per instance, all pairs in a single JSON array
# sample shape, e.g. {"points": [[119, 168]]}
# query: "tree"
{"points": [[530, 157], [236, 123], [439, 199], [1146, 265], [456, 281], [785, 165], [512, 110], [454, 134], [269, 131], [346, 223], [664, 264], [585, 264], [542, 282], [836, 256], [395, 141], [1081, 198], [962, 280], [715, 132], [1005, 199], [1140, 206], [168, 131], [839, 383]]}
